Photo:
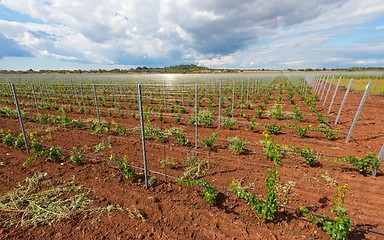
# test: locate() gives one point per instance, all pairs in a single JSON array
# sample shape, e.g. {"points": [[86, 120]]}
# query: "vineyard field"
{"points": [[207, 139]]}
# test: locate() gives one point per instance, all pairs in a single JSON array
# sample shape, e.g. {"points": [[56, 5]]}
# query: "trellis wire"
{"points": [[225, 190]]}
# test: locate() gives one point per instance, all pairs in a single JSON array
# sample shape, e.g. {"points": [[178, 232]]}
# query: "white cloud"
{"points": [[45, 53], [222, 33], [220, 61], [368, 62]]}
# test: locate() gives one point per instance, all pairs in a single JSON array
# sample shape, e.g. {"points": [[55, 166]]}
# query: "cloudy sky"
{"points": [[273, 34]]}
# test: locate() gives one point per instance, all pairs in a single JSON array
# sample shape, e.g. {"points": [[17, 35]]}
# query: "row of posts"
{"points": [[318, 88], [140, 103]]}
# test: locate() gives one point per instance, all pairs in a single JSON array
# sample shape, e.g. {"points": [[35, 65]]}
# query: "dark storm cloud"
{"points": [[227, 26]]}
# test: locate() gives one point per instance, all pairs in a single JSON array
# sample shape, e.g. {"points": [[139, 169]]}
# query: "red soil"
{"points": [[175, 211]]}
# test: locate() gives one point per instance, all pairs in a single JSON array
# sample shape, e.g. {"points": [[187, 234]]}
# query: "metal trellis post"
{"points": [[358, 112], [34, 97], [334, 95], [344, 100], [380, 158], [143, 135], [196, 116], [218, 118], [96, 103], [325, 85], [20, 118], [329, 88]]}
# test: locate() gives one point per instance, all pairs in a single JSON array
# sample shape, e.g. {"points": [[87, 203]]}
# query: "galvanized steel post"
{"points": [[358, 112]]}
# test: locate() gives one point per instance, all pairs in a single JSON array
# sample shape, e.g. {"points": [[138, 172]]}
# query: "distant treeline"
{"points": [[351, 69], [189, 68]]}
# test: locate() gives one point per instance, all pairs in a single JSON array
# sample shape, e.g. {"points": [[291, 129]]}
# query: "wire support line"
{"points": [[224, 190]]}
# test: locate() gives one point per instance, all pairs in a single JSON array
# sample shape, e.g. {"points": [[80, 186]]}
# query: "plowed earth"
{"points": [[175, 211]]}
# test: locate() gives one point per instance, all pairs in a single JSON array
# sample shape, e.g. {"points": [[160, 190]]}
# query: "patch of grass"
{"points": [[359, 84]]}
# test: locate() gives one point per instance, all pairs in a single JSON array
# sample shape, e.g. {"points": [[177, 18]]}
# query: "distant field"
{"points": [[359, 84]]}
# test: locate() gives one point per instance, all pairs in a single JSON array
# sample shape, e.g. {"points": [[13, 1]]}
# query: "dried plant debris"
{"points": [[41, 201]]}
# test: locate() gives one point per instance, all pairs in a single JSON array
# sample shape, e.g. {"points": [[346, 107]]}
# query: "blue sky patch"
{"points": [[12, 16]]}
